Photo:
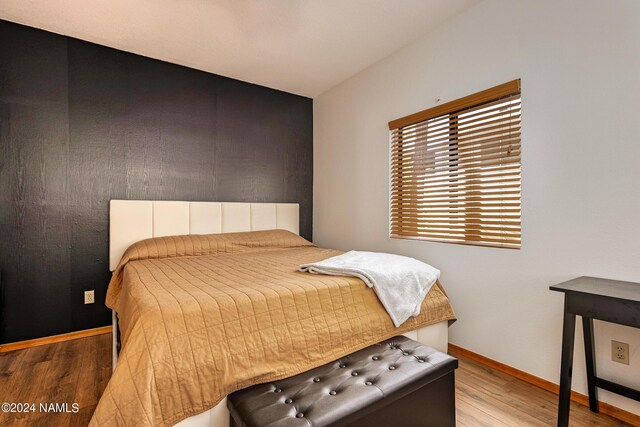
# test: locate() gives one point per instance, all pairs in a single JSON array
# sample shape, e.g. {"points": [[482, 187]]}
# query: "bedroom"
{"points": [[248, 115]]}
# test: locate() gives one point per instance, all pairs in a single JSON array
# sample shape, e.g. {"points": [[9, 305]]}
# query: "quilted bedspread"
{"points": [[204, 315]]}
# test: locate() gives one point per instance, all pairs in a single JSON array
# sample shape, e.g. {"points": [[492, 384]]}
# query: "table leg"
{"points": [[590, 358], [566, 366]]}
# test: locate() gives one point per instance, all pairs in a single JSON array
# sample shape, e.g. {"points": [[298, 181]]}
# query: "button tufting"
{"points": [[384, 352]]}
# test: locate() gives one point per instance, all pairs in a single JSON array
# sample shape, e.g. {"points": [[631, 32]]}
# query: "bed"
{"points": [[197, 277]]}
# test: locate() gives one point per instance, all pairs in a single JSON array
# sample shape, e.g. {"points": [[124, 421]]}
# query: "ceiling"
{"points": [[299, 46]]}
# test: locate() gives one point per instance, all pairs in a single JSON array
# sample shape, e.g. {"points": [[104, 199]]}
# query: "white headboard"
{"points": [[134, 220]]}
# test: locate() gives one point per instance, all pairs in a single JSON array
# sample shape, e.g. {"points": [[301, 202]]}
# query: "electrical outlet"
{"points": [[89, 297], [620, 352]]}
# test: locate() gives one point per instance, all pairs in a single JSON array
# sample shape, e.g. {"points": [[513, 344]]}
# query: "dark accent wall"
{"points": [[81, 124]]}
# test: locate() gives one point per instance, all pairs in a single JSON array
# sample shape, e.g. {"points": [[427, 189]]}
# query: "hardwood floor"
{"points": [[68, 372], [77, 372], [486, 397]]}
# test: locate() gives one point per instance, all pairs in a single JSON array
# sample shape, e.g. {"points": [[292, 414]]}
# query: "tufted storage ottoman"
{"points": [[398, 382]]}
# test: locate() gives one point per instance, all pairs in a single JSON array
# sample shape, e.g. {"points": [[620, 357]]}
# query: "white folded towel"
{"points": [[400, 282]]}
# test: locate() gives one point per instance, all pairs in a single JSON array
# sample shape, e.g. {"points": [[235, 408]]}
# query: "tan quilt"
{"points": [[204, 315]]}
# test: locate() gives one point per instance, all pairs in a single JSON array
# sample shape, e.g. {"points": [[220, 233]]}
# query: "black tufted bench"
{"points": [[398, 383]]}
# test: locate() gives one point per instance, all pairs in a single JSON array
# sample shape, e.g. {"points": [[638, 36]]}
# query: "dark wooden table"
{"points": [[593, 298]]}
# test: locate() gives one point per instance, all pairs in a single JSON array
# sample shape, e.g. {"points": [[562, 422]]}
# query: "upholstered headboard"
{"points": [[134, 220]]}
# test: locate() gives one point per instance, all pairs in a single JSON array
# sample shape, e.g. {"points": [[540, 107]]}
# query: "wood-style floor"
{"points": [[486, 397], [68, 372], [77, 372]]}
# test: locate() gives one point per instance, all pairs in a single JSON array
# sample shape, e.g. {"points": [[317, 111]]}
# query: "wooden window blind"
{"points": [[455, 171]]}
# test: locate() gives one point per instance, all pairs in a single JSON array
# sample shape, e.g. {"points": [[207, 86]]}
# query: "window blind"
{"points": [[455, 171]]}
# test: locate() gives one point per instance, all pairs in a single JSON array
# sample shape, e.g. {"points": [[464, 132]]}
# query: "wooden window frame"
{"points": [[472, 228]]}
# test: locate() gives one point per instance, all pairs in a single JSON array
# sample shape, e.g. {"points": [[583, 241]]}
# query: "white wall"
{"points": [[579, 62]]}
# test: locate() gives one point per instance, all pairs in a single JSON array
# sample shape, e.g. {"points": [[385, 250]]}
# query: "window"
{"points": [[455, 171]]}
